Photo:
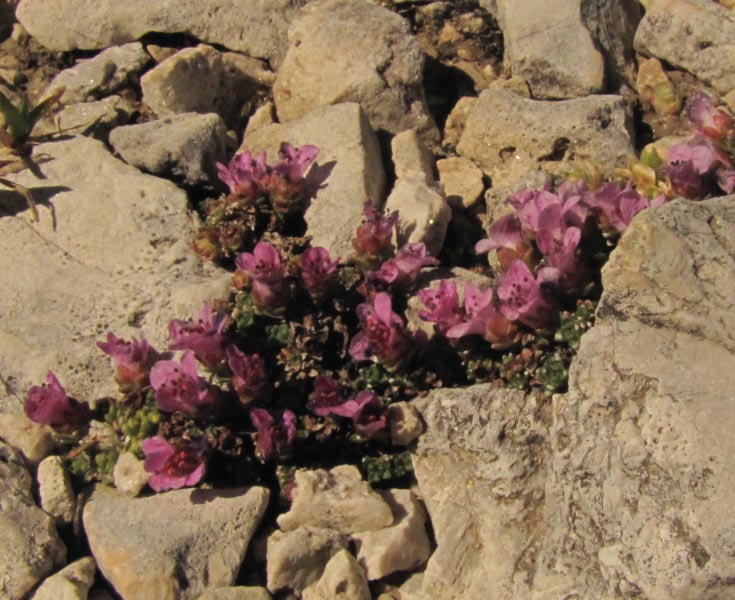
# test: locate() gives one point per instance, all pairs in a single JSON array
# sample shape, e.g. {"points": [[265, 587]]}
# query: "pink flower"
{"points": [[404, 267], [707, 119], [558, 243], [368, 413], [285, 182], [618, 206], [204, 336], [318, 271], [328, 393], [504, 233], [442, 305], [266, 274], [178, 387], [172, 466], [249, 377], [484, 319], [383, 336], [294, 162], [273, 438], [521, 296], [689, 163], [244, 175], [374, 236], [133, 361], [49, 405]]}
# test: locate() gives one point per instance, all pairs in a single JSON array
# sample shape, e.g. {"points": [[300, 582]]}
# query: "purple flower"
{"points": [[49, 405], [688, 162], [178, 387], [244, 175], [521, 296], [383, 333], [442, 305], [484, 319], [558, 243], [318, 271], [266, 273], [327, 394], [133, 361], [504, 233], [529, 204], [204, 336], [172, 466], [618, 207], [285, 182], [404, 267], [707, 119], [369, 415], [374, 237], [274, 438], [294, 162], [249, 377]]}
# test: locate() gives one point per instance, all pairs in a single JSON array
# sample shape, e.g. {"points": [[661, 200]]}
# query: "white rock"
{"points": [[405, 423], [411, 156], [128, 474], [34, 441], [343, 579], [54, 487], [401, 547], [71, 583], [337, 499], [461, 180]]}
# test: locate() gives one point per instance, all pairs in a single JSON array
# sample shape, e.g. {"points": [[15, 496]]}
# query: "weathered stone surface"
{"points": [[33, 441], [411, 156], [343, 579], [405, 423], [185, 147], [71, 583], [402, 546], [354, 51], [236, 593], [461, 180], [336, 499], [129, 475], [457, 119], [297, 558], [254, 27], [262, 117], [87, 118], [548, 45], [508, 136], [30, 547], [350, 169], [107, 72], [172, 545], [111, 253], [54, 487], [695, 35]]}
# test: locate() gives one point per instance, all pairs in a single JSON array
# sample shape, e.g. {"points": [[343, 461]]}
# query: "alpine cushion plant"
{"points": [[203, 336], [172, 466], [178, 386], [132, 360], [275, 435], [249, 375], [264, 274]]}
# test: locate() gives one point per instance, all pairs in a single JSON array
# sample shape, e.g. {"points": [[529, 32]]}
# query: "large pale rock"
{"points": [[350, 169], [461, 180], [695, 35], [354, 51], [185, 147], [508, 136], [411, 156], [172, 545], [343, 579], [401, 547], [337, 499], [30, 547], [71, 583], [254, 27], [55, 489], [111, 252], [297, 558]]}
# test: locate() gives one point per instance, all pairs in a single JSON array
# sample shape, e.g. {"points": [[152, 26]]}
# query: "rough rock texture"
{"points": [[33, 441], [548, 45], [71, 583], [336, 499], [411, 156], [185, 147], [121, 237], [350, 169], [461, 180], [236, 593], [695, 35], [129, 474], [297, 558], [254, 27], [182, 541], [457, 119], [87, 118], [54, 487], [354, 51], [99, 76], [402, 546], [508, 136], [343, 579], [30, 547]]}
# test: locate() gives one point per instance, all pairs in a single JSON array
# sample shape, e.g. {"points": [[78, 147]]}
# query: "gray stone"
{"points": [[336, 499], [107, 72], [695, 35], [254, 27], [236, 593], [180, 542], [32, 440], [55, 489], [343, 579], [411, 156], [185, 147], [350, 169], [354, 51], [297, 558], [508, 136], [87, 118], [461, 180], [121, 237], [71, 583], [30, 547]]}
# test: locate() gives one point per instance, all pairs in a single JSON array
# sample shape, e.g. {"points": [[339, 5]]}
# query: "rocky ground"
{"points": [[621, 487]]}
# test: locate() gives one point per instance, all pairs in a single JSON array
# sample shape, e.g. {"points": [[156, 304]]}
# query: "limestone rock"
{"points": [[32, 440], [343, 579], [262, 117], [411, 156], [129, 475], [350, 169], [457, 119], [461, 180], [30, 547], [121, 237], [297, 558], [87, 118], [54, 486], [71, 583], [354, 51], [695, 35], [107, 72], [254, 27], [336, 499], [508, 136], [405, 423], [180, 542], [236, 593], [186, 146], [401, 547]]}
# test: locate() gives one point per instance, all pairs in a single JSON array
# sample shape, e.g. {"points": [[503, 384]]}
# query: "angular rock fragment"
{"points": [[343, 579], [32, 440], [54, 487], [461, 180], [71, 583], [411, 156]]}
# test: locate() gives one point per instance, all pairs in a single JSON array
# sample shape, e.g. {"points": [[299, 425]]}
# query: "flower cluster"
{"points": [[367, 413]]}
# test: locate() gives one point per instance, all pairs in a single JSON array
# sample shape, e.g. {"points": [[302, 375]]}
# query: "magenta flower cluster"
{"points": [[367, 413]]}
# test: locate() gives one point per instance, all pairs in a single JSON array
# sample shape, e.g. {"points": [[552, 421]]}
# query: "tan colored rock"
{"points": [[180, 542], [87, 118], [411, 156], [34, 441], [262, 117], [54, 487], [405, 423], [403, 546], [297, 558], [454, 125], [129, 475], [655, 87], [71, 583], [461, 180], [343, 579], [236, 593], [337, 499]]}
